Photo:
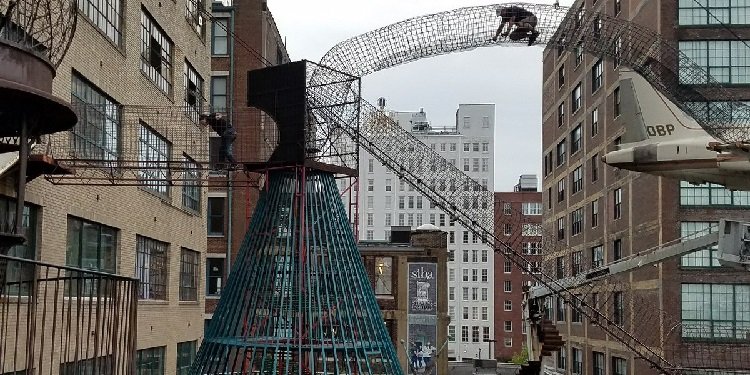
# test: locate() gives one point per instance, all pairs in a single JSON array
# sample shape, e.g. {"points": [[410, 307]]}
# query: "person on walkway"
{"points": [[524, 21], [226, 131]]}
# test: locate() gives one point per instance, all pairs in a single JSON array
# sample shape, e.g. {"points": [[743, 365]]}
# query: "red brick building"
{"points": [[518, 217], [243, 37], [602, 214]]}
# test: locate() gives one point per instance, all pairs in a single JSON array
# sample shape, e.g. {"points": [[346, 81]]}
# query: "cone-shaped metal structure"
{"points": [[298, 300]]}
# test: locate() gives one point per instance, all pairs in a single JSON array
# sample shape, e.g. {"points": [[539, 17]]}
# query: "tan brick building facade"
{"points": [[106, 227]]}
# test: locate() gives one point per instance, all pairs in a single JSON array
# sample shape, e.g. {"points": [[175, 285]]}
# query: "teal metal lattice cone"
{"points": [[298, 300]]}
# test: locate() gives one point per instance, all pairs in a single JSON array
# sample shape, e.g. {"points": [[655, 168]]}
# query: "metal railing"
{"points": [[57, 319]]}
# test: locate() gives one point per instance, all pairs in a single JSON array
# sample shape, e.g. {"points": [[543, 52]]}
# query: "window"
{"points": [[96, 135], [617, 249], [452, 333], [531, 208], [507, 208], [452, 293], [219, 94], [475, 165], [507, 266], [617, 196], [194, 10], [560, 309], [370, 235], [508, 305], [189, 271], [193, 91], [561, 76], [219, 37], [464, 333], [597, 256], [153, 155], [577, 355], [485, 122], [597, 72], [150, 361], [577, 179], [475, 313], [508, 326], [576, 98], [474, 275], [619, 366], [467, 122], [485, 164], [452, 147], [475, 334], [484, 294], [474, 294], [156, 53], [91, 246], [214, 276], [185, 356], [548, 165], [485, 147], [701, 258], [575, 310], [594, 213], [475, 146], [466, 293], [508, 342], [618, 6], [507, 287], [152, 268], [507, 229], [191, 189], [485, 256], [561, 360], [466, 313], [618, 308], [579, 54], [598, 363], [561, 153], [595, 121], [712, 195], [466, 165], [576, 221], [105, 15], [594, 167], [89, 366], [561, 190], [575, 139], [467, 147], [485, 313], [714, 12], [576, 259], [617, 51], [560, 267], [465, 275], [532, 248], [715, 311], [17, 274], [215, 216], [616, 102], [531, 230], [561, 114]]}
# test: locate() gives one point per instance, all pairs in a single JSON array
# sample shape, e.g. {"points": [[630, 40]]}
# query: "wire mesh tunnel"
{"points": [[298, 300]]}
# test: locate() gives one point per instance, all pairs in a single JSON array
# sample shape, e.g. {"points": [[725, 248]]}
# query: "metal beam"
{"points": [[627, 264]]}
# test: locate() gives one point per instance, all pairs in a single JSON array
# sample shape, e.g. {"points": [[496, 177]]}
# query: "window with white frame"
{"points": [[576, 98], [105, 15], [96, 135], [191, 189], [531, 229], [193, 92], [154, 152], [156, 53], [575, 139], [707, 195], [152, 268], [219, 93], [597, 78], [194, 13], [531, 208]]}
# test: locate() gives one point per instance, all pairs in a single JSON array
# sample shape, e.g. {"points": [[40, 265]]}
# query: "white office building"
{"points": [[386, 201]]}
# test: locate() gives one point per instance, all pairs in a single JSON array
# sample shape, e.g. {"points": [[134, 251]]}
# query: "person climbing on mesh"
{"points": [[226, 131], [524, 21]]}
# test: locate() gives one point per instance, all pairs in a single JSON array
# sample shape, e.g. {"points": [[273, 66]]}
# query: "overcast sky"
{"points": [[510, 77]]}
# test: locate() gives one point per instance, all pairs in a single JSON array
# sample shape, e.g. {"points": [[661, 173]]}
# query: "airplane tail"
{"points": [[648, 115]]}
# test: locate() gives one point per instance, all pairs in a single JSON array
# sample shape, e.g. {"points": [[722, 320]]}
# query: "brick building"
{"points": [[151, 54], [387, 264], [244, 38], [518, 220], [601, 214]]}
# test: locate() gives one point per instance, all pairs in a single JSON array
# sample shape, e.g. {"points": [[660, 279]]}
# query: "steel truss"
{"points": [[464, 29]]}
